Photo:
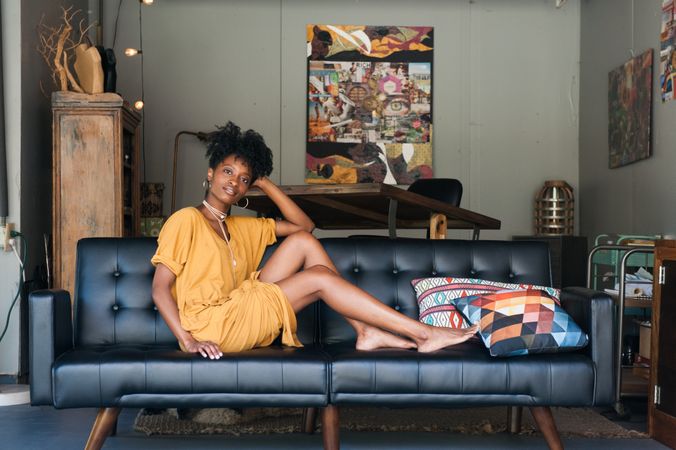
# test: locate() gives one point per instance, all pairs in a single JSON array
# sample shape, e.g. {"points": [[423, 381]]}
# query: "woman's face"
{"points": [[230, 180]]}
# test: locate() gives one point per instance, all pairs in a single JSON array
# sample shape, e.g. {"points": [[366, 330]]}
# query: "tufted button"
{"points": [[115, 307], [116, 273], [355, 270], [395, 271], [472, 272], [434, 273], [511, 275], [397, 307]]}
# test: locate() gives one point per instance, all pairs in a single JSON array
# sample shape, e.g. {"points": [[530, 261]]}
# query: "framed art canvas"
{"points": [[369, 104], [629, 110]]}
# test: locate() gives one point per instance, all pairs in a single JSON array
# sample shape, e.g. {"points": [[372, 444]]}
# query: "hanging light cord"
{"points": [[143, 99], [117, 18]]}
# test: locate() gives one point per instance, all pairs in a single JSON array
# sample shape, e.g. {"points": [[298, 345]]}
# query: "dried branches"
{"points": [[55, 45]]}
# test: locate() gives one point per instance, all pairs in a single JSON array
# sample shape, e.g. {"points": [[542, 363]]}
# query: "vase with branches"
{"points": [[56, 45]]}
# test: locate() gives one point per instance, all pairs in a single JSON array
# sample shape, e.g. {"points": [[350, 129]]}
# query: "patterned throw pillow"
{"points": [[522, 322], [436, 295]]}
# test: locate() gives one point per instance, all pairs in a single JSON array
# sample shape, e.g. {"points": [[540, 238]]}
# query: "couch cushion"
{"points": [[522, 322], [460, 375], [140, 375]]}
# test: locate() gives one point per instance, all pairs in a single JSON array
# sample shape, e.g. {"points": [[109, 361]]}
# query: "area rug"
{"points": [[571, 422]]}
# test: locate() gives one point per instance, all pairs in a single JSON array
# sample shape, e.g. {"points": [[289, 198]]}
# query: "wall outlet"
{"points": [[5, 236]]}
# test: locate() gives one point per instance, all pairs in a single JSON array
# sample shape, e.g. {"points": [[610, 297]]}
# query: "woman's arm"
{"points": [[162, 283], [294, 217]]}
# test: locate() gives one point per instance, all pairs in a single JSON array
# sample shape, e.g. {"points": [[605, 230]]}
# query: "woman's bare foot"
{"points": [[439, 337], [371, 338]]}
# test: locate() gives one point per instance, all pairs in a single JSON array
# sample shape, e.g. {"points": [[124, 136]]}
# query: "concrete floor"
{"points": [[25, 427]]}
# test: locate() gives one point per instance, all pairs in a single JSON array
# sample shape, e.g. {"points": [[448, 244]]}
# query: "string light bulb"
{"points": [[138, 104], [147, 2], [132, 51]]}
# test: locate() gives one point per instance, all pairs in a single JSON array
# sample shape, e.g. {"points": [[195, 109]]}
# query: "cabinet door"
{"points": [[85, 198], [662, 417]]}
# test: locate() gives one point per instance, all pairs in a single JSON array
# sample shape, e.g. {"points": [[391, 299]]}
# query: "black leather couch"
{"points": [[117, 351]]}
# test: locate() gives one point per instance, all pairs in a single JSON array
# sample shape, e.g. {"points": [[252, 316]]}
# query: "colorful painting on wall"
{"points": [[629, 110], [667, 51], [369, 97]]}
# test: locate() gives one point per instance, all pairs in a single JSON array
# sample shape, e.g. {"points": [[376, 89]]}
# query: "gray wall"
{"points": [[29, 148], [505, 87], [9, 268], [634, 199]]}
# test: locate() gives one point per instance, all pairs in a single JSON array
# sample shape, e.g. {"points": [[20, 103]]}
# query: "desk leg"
{"points": [[475, 234], [438, 226], [392, 219]]}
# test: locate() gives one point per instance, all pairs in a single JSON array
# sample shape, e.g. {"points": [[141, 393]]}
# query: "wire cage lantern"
{"points": [[554, 209]]}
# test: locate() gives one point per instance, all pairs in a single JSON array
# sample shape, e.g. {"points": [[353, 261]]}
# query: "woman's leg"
{"points": [[354, 303], [362, 310], [302, 250]]}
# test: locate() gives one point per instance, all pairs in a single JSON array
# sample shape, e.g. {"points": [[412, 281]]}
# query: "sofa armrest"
{"points": [[50, 334], [594, 312]]}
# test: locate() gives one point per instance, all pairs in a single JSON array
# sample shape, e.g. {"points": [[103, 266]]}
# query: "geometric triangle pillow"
{"points": [[436, 297], [521, 322]]}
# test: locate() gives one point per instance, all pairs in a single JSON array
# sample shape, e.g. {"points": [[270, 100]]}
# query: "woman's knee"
{"points": [[322, 274], [302, 238]]}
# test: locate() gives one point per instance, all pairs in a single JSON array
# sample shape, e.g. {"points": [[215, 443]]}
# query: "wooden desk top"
{"points": [[366, 206]]}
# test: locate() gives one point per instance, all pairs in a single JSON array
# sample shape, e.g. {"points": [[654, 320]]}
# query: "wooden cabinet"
{"points": [[568, 255], [95, 174], [662, 404]]}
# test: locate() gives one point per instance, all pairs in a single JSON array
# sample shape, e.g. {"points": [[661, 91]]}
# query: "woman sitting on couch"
{"points": [[213, 299]]}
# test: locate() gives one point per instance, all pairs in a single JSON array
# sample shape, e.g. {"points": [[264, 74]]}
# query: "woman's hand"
{"points": [[260, 182], [162, 282], [207, 349]]}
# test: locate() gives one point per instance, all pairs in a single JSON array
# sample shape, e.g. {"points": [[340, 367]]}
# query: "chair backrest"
{"points": [[448, 190]]}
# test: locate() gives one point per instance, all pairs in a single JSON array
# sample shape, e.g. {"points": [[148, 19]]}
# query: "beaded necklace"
{"points": [[220, 218]]}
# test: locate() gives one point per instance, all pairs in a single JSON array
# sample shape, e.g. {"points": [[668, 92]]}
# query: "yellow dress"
{"points": [[238, 313]]}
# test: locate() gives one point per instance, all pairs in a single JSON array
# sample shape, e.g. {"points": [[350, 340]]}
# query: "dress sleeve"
{"points": [[174, 241], [268, 227]]}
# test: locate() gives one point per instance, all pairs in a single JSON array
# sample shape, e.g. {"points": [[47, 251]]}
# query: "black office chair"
{"points": [[447, 190]]}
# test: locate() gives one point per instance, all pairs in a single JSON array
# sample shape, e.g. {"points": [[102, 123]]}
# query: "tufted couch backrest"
{"points": [[385, 268], [113, 295], [113, 302]]}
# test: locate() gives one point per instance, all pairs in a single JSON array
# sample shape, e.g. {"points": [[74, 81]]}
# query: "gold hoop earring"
{"points": [[247, 203], [206, 184]]}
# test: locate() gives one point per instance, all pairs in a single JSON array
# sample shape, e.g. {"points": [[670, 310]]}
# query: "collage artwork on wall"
{"points": [[369, 97], [667, 51], [630, 110]]}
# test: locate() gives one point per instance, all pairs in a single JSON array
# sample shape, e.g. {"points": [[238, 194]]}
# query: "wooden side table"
{"points": [[568, 255]]}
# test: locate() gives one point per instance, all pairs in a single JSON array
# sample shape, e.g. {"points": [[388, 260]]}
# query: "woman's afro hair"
{"points": [[250, 146]]}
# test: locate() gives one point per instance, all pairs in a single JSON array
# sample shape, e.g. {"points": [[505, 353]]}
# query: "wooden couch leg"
{"points": [[309, 420], [330, 428], [545, 422], [106, 421], [514, 414]]}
